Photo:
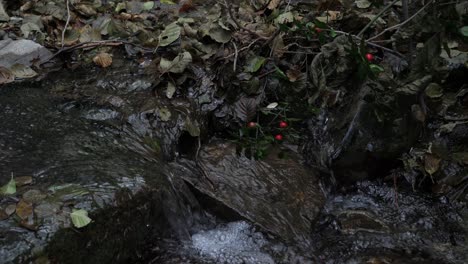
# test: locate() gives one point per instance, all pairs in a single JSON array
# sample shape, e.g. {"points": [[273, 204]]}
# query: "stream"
{"points": [[95, 139]]}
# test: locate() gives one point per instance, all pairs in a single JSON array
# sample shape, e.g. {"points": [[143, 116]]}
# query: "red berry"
{"points": [[369, 57], [251, 124], [279, 137], [318, 30], [283, 124]]}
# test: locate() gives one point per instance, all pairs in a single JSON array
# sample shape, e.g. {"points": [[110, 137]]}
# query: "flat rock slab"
{"points": [[22, 52], [281, 195]]}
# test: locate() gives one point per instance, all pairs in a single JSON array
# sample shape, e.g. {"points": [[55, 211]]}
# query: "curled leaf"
{"points": [[6, 76], [103, 59], [272, 105], [22, 71]]}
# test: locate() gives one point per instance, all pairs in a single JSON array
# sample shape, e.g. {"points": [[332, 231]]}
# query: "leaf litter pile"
{"points": [[309, 55]]}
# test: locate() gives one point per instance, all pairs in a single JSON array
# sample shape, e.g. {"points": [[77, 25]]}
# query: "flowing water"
{"points": [[93, 140]]}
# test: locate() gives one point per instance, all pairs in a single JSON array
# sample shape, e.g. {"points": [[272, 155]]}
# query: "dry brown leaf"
{"points": [[293, 74], [6, 76], [24, 209], [418, 113], [273, 4], [186, 6], [431, 163], [103, 59]]}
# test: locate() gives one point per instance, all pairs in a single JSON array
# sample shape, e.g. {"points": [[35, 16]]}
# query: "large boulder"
{"points": [[22, 51], [280, 195]]}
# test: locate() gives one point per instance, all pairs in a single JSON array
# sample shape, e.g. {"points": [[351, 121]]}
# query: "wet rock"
{"points": [[24, 209], [22, 52], [374, 222], [33, 196], [44, 210], [281, 195], [361, 221], [23, 180]]}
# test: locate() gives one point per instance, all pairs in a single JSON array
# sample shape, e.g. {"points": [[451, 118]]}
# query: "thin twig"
{"points": [[402, 23], [373, 44], [377, 17], [66, 24], [235, 56], [242, 49], [91, 44]]}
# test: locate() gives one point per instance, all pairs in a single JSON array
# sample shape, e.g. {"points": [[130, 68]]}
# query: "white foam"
{"points": [[236, 242]]}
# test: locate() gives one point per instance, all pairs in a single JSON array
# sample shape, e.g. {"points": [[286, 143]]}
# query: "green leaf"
{"points": [[192, 127], [164, 114], [376, 68], [333, 33], [9, 188], [254, 64], [167, 2], [320, 24], [170, 34], [170, 90], [80, 218], [177, 65], [148, 5], [464, 31], [280, 74]]}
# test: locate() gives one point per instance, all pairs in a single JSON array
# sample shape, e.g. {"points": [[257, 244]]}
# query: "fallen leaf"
{"points": [[254, 64], [164, 114], [80, 218], [9, 188], [418, 113], [170, 34], [220, 34], [192, 127], [285, 18], [434, 90], [103, 59], [273, 4], [431, 163], [246, 109], [186, 5], [272, 105], [363, 3], [24, 209], [6, 76], [22, 71], [178, 64], [293, 74], [170, 90]]}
